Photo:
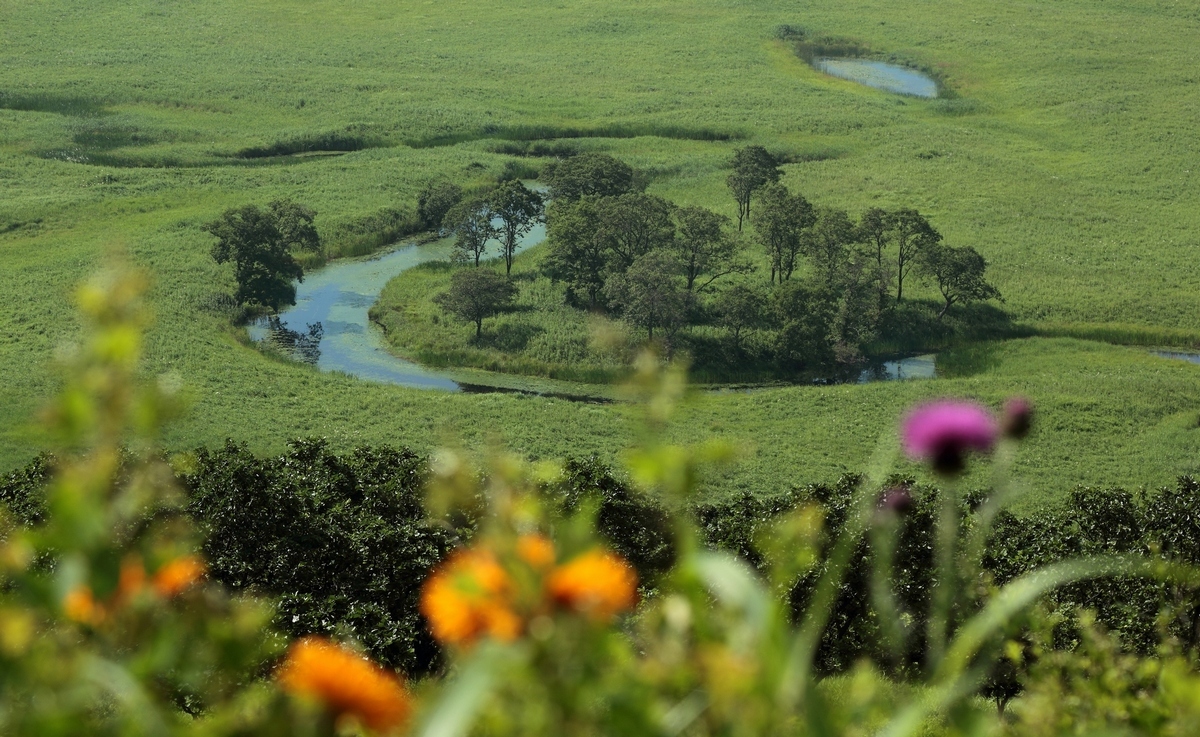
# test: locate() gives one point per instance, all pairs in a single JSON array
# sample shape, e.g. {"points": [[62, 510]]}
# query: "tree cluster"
{"points": [[631, 253]]}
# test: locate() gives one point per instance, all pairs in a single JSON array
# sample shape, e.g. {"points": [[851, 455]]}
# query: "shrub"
{"points": [[341, 541]]}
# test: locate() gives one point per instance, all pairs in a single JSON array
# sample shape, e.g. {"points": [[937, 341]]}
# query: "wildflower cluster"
{"points": [[471, 595]]}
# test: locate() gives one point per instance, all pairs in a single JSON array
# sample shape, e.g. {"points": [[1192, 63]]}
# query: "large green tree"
{"points": [[779, 223], [264, 267], [295, 224], [739, 309], [592, 238], [874, 230], [435, 200], [599, 175], [753, 166], [576, 254], [650, 293], [827, 243], [471, 223], [704, 248], [958, 274], [913, 236], [518, 208], [476, 294]]}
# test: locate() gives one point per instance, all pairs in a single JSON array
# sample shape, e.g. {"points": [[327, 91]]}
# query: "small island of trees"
{"points": [[791, 290]]}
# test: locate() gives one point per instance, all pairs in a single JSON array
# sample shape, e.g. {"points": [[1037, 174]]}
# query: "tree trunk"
{"points": [[478, 328], [944, 310]]}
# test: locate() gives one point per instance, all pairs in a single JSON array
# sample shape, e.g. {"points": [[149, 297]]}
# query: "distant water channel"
{"points": [[878, 74], [329, 327]]}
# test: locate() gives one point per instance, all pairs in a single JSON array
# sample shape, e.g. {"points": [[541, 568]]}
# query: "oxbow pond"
{"points": [[881, 75]]}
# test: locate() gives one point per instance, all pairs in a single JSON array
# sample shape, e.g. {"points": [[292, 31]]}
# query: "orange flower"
{"points": [[469, 596], [347, 683], [597, 582], [81, 606], [131, 580], [177, 576], [536, 550]]}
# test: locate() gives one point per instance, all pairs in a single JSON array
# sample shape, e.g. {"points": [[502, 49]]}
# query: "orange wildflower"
{"points": [[81, 606], [469, 596], [347, 683], [597, 582], [536, 550], [177, 576], [131, 580]]}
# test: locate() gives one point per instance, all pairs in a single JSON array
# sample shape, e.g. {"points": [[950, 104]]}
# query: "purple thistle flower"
{"points": [[942, 431]]}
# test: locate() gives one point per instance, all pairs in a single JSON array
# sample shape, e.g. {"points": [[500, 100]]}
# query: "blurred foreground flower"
{"points": [[347, 683], [468, 597], [177, 576], [597, 583], [942, 432]]}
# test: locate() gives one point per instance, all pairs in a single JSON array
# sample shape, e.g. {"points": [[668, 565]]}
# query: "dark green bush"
{"points": [[341, 541]]}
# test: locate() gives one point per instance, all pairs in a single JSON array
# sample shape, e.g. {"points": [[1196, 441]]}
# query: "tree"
{"points": [[804, 312], [263, 266], [874, 229], [471, 223], [913, 236], [632, 225], [435, 200], [958, 273], [741, 308], [476, 294], [588, 174], [649, 294], [780, 223], [295, 224], [519, 209], [753, 167], [827, 243], [703, 247], [576, 254]]}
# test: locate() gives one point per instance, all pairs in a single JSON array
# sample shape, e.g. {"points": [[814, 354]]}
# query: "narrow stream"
{"points": [[336, 299]]}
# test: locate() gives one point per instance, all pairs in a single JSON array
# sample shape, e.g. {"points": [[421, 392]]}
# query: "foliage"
{"points": [[263, 263], [470, 221], [340, 542], [704, 248], [753, 167], [588, 174], [435, 200], [519, 209], [476, 294], [958, 273], [649, 294], [780, 224], [109, 627]]}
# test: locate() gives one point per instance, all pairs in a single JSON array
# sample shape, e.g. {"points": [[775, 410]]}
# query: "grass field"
{"points": [[1065, 157]]}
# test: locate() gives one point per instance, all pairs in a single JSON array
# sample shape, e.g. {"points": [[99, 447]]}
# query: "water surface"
{"points": [[880, 75]]}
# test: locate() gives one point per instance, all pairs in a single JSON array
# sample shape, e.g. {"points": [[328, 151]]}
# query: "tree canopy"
{"points": [[649, 293], [753, 166], [471, 223], [264, 268], [476, 294], [958, 274], [518, 209], [599, 175], [704, 248], [435, 200], [780, 223]]}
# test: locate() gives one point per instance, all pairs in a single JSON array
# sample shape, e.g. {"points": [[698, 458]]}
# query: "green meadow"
{"points": [[1063, 152]]}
